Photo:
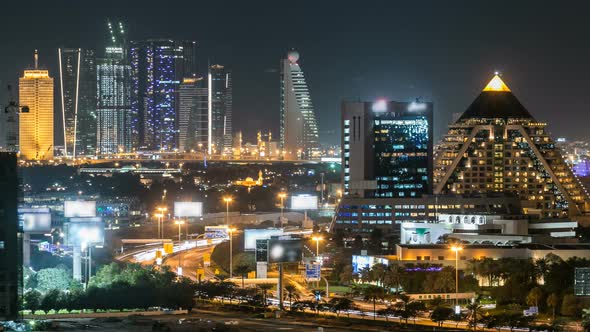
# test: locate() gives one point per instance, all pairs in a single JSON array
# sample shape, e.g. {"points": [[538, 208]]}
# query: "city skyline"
{"points": [[406, 59]]}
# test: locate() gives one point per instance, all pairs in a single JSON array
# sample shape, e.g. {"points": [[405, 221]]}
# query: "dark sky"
{"points": [[443, 51]]}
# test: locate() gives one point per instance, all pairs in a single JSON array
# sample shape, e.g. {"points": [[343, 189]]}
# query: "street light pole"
{"points": [[227, 200], [179, 223], [231, 267], [317, 240], [456, 249], [282, 197]]}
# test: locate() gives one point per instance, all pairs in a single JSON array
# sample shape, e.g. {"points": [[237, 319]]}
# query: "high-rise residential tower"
{"points": [[116, 122], [497, 146], [299, 130], [220, 110], [77, 83], [193, 115], [158, 67], [387, 148], [36, 125]]}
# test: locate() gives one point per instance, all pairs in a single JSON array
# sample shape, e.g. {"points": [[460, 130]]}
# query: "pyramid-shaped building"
{"points": [[497, 146]]}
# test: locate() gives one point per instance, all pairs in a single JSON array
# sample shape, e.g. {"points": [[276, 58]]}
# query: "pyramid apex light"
{"points": [[496, 85]]}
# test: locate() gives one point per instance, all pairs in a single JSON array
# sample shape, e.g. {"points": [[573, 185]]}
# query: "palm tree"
{"points": [[291, 294], [474, 308], [373, 293], [264, 288], [242, 270], [393, 277]]}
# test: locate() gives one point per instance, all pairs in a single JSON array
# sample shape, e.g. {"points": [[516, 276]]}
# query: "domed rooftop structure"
{"points": [[496, 101]]}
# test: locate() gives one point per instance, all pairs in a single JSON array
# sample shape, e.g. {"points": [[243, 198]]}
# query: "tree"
{"points": [[338, 304], [242, 270], [586, 319], [50, 300], [373, 293], [32, 300], [553, 302], [569, 305], [53, 278], [291, 294], [534, 297], [264, 288], [386, 312], [345, 277], [413, 308], [440, 314], [474, 308]]}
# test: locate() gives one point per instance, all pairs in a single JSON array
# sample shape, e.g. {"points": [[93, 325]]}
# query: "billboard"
{"points": [[83, 209], [251, 235], [365, 262], [285, 250], [304, 202], [35, 220], [84, 233], [188, 209], [216, 232]]}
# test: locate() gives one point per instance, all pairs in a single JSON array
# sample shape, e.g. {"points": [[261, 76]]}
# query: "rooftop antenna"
{"points": [[36, 60]]}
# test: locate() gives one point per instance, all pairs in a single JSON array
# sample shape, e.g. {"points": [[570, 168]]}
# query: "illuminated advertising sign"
{"points": [[35, 220], [188, 209], [81, 209], [365, 262], [84, 233], [251, 235], [216, 232], [304, 202], [284, 250]]}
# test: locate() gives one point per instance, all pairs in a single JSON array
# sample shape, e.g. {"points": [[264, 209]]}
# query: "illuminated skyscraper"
{"points": [[116, 122], [299, 130], [387, 149], [497, 146], [77, 81], [36, 126], [220, 110], [193, 115], [157, 69]]}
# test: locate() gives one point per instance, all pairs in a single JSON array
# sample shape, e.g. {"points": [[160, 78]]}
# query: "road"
{"points": [[188, 253], [200, 319]]}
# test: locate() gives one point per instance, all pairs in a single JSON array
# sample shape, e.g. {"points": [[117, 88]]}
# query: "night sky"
{"points": [[442, 51]]}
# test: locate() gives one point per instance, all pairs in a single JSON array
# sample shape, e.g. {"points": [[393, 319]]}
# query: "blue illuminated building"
{"points": [[387, 149], [158, 67]]}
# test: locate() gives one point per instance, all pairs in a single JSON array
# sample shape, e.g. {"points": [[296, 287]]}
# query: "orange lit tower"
{"points": [[36, 126]]}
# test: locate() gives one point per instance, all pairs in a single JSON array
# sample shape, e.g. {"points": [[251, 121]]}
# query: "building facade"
{"points": [[357, 216], [158, 67], [36, 125], [77, 83], [497, 146], [10, 239], [193, 113], [299, 138], [116, 122], [220, 110], [387, 149]]}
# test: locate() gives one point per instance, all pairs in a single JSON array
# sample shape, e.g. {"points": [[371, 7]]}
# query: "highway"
{"points": [[189, 254]]}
